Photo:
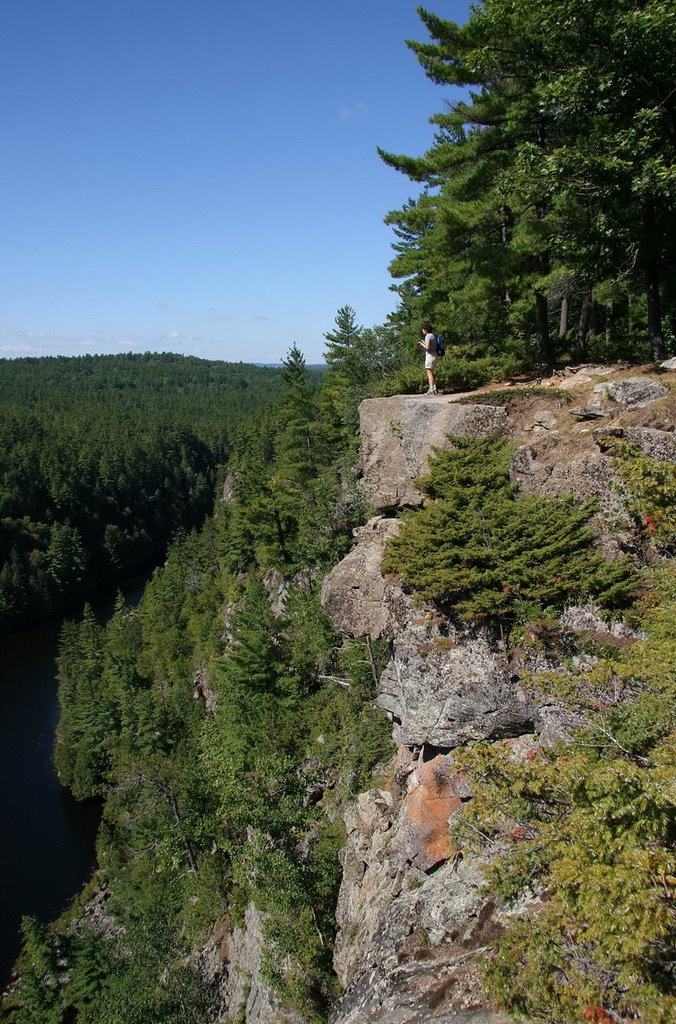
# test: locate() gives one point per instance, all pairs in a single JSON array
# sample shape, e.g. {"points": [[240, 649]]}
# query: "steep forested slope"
{"points": [[228, 722], [213, 725], [228, 727]]}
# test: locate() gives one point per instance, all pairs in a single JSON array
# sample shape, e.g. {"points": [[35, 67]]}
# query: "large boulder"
{"points": [[355, 592], [634, 392], [656, 444], [586, 475], [398, 435], [446, 685]]}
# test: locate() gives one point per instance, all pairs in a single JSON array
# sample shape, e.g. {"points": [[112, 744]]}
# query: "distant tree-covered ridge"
{"points": [[102, 459]]}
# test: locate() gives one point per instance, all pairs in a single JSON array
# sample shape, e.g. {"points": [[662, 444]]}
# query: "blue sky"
{"points": [[201, 176]]}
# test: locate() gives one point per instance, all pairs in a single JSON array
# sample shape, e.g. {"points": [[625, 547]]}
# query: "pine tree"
{"points": [[555, 167]]}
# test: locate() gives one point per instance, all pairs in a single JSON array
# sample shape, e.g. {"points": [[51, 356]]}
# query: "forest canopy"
{"points": [[546, 223], [102, 459]]}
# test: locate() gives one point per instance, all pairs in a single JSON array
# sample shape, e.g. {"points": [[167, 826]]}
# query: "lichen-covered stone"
{"points": [[354, 592], [234, 959], [634, 392], [656, 444], [398, 435], [445, 685], [410, 943], [586, 476], [414, 920]]}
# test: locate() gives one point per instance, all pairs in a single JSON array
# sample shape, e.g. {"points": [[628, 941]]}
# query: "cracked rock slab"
{"points": [[398, 435], [444, 687], [634, 392], [354, 594]]}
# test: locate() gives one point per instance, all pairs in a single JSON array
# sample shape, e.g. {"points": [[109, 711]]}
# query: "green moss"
{"points": [[514, 395]]}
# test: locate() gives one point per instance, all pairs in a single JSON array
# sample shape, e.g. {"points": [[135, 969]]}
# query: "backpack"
{"points": [[441, 346]]}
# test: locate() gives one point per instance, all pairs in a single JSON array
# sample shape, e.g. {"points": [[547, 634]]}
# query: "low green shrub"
{"points": [[652, 489], [455, 373], [488, 553], [586, 829]]}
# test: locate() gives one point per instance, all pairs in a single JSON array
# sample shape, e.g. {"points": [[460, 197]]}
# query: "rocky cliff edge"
{"points": [[414, 919]]}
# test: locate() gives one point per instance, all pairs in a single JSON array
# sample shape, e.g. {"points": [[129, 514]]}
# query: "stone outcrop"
{"points": [[414, 920], [411, 936], [634, 392], [354, 592], [446, 686], [656, 444], [399, 434], [588, 475], [231, 963]]}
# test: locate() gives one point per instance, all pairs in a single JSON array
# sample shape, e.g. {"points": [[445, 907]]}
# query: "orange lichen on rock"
{"points": [[433, 798]]}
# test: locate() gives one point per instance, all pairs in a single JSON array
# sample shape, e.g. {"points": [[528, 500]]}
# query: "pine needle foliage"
{"points": [[587, 829], [652, 488], [483, 550]]}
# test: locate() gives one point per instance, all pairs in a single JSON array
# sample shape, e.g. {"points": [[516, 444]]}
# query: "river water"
{"points": [[47, 839]]}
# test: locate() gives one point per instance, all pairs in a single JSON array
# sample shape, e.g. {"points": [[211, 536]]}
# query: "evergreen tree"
{"points": [[553, 169]]}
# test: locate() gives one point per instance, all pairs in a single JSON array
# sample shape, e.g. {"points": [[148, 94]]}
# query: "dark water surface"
{"points": [[46, 838]]}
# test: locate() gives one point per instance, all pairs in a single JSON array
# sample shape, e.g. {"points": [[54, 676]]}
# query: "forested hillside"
{"points": [[102, 459], [213, 726], [230, 726]]}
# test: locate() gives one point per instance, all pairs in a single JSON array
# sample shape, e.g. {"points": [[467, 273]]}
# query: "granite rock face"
{"points": [[231, 961], [446, 685], [398, 435], [411, 938], [414, 920], [656, 444], [587, 476], [355, 592], [634, 392]]}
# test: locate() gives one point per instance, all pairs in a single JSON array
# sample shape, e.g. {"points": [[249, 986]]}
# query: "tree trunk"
{"points": [[583, 326], [187, 846], [594, 314], [544, 349], [280, 536], [563, 322], [652, 284], [609, 326], [544, 352], [504, 233]]}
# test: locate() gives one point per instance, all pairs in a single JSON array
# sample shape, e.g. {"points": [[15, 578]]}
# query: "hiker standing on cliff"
{"points": [[429, 343]]}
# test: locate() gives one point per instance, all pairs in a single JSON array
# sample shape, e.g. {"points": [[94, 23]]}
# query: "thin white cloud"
{"points": [[259, 318], [19, 350], [32, 335], [358, 111]]}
